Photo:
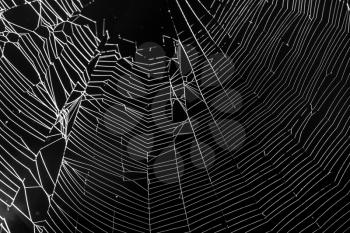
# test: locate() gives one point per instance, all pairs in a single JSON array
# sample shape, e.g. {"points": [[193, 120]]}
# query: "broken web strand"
{"points": [[203, 97], [237, 166], [211, 67], [203, 161], [199, 45], [200, 152]]}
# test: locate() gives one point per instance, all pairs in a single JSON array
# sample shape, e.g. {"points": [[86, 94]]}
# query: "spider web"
{"points": [[241, 127]]}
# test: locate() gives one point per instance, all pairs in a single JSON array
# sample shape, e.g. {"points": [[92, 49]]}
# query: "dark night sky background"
{"points": [[135, 20]]}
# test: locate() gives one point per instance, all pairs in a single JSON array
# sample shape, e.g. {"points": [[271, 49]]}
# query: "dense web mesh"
{"points": [[237, 122]]}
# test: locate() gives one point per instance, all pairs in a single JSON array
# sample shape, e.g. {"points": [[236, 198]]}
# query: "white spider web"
{"points": [[243, 129]]}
